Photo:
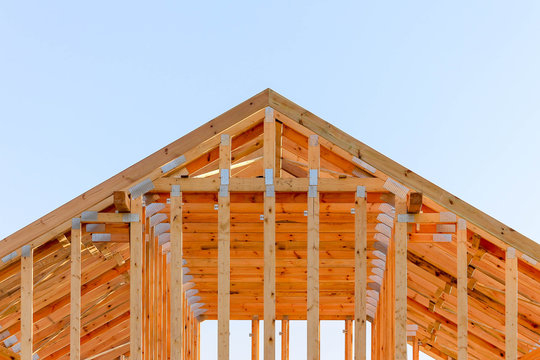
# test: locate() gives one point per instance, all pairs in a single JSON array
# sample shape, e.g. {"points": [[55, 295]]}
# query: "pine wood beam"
{"points": [[414, 202], [400, 283], [75, 312], [255, 338], [176, 274], [511, 305], [462, 292], [224, 249], [313, 324], [360, 273], [416, 349], [121, 201], [269, 236], [135, 281], [285, 339], [27, 298], [348, 339]]}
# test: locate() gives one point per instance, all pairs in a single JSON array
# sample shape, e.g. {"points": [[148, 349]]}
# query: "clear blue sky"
{"points": [[449, 89]]}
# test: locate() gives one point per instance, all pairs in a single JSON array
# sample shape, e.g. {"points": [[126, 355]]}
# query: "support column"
{"points": [[348, 339], [255, 338], [135, 281], [416, 349], [75, 315], [177, 288], [285, 339], [269, 236], [511, 307], [360, 273], [400, 236], [27, 299], [224, 248], [313, 326], [462, 293]]}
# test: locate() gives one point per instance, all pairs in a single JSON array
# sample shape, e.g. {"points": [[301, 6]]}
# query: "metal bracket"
{"points": [[361, 191], [76, 223], [175, 191], [130, 217], [313, 177], [173, 164], [447, 216], [223, 190], [364, 164], [312, 191], [270, 192], [224, 175], [442, 237], [141, 188], [268, 176], [26, 251], [101, 237], [405, 218], [86, 216]]}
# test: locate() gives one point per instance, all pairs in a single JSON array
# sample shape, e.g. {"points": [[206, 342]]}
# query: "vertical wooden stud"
{"points": [[224, 249], [27, 298], [285, 339], [269, 236], [360, 273], [416, 349], [462, 293], [511, 307], [255, 338], [135, 282], [313, 325], [348, 339], [75, 315], [177, 289], [400, 349]]}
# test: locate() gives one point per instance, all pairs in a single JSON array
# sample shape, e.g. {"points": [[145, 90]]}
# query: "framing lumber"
{"points": [[360, 273], [121, 201], [255, 338], [176, 274], [400, 283], [135, 274], [511, 305], [348, 339], [285, 338], [27, 298], [224, 250], [462, 292], [313, 323], [75, 313], [414, 202], [269, 237]]}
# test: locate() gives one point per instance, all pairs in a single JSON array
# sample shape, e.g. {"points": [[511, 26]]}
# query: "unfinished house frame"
{"points": [[268, 213]]}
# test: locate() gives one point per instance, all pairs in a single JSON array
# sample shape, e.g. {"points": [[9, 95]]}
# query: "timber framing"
{"points": [[266, 213]]}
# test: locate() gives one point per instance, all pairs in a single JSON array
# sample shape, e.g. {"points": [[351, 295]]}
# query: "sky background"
{"points": [[450, 90]]}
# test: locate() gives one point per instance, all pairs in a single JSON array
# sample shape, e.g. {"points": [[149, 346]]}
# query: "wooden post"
{"points": [[224, 248], [27, 299], [416, 349], [400, 314], [511, 306], [462, 293], [348, 340], [285, 339], [360, 273], [135, 281], [313, 326], [255, 338], [176, 274], [75, 315], [269, 237]]}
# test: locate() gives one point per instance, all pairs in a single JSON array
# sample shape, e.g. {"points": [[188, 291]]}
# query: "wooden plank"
{"points": [[533, 355], [279, 149], [313, 325], [121, 201], [416, 349], [255, 338], [462, 292], [511, 305], [414, 202], [269, 237], [75, 312], [403, 175], [58, 220], [360, 273], [224, 250], [348, 339], [285, 339], [176, 274], [135, 281], [400, 283], [27, 299]]}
